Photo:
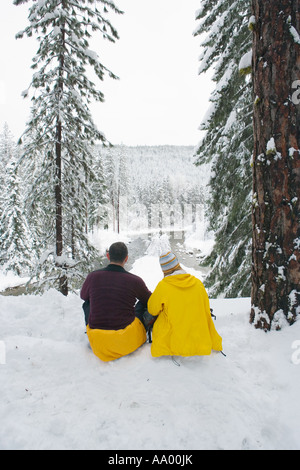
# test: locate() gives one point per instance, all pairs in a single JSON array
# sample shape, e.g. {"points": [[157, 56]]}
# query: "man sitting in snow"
{"points": [[184, 326], [114, 323]]}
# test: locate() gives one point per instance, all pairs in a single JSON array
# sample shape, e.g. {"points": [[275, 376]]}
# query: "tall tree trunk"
{"points": [[276, 164], [63, 281], [118, 208]]}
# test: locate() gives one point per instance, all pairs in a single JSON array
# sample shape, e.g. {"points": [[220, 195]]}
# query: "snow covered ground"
{"points": [[55, 394]]}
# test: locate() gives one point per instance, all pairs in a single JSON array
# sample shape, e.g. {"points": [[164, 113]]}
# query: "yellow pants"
{"points": [[112, 344]]}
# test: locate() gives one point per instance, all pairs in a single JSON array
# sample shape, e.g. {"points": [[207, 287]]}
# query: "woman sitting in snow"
{"points": [[184, 326]]}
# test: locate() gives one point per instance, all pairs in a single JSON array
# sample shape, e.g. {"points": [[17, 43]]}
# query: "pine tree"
{"points": [[124, 189], [7, 151], [61, 130], [7, 146], [110, 170], [118, 184], [228, 143], [276, 164], [16, 254], [99, 199]]}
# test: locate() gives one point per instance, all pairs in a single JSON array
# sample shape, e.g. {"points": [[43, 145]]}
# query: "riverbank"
{"points": [[188, 247]]}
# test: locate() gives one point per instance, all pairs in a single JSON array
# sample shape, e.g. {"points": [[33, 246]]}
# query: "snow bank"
{"points": [[9, 279], [55, 394]]}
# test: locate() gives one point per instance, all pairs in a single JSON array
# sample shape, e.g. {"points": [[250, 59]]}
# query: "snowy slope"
{"points": [[55, 394]]}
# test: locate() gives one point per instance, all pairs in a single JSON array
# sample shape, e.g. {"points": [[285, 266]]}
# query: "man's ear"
{"points": [[107, 256]]}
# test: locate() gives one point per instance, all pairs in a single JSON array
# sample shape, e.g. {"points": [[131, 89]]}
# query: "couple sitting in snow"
{"points": [[178, 309]]}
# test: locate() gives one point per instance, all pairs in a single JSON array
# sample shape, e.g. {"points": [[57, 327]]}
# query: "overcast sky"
{"points": [[159, 99]]}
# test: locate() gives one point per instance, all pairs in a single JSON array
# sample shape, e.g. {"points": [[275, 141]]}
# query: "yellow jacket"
{"points": [[184, 326]]}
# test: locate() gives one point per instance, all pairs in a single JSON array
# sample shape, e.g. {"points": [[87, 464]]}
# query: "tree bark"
{"points": [[276, 164], [63, 281]]}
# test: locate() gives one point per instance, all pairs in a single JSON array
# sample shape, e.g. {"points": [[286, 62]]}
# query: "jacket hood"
{"points": [[181, 280]]}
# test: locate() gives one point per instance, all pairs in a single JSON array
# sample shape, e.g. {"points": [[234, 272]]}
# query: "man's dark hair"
{"points": [[118, 252]]}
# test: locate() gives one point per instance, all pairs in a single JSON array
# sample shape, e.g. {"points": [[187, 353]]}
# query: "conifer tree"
{"points": [[16, 254], [61, 131], [97, 208], [7, 150], [7, 146], [118, 183], [110, 170], [228, 143], [276, 164], [15, 238]]}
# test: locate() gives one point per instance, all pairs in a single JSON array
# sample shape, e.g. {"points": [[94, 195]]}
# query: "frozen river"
{"points": [[138, 247]]}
